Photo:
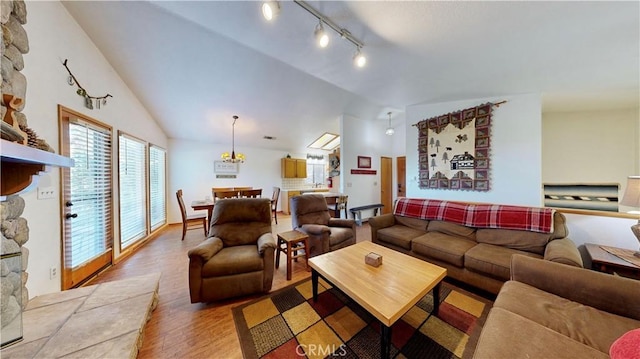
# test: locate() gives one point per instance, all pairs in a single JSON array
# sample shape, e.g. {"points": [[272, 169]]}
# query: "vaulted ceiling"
{"points": [[194, 65]]}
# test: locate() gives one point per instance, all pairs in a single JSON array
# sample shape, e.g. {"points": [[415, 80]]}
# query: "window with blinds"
{"points": [[132, 181], [89, 193], [157, 180]]}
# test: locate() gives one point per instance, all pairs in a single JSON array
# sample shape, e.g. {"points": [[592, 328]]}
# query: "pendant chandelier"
{"points": [[390, 131], [233, 157]]}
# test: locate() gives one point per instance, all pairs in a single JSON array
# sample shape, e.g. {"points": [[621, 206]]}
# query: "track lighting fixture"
{"points": [[359, 59], [321, 36], [390, 131], [270, 10]]}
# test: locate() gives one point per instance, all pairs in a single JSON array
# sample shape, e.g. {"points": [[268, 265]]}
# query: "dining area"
{"points": [[218, 193]]}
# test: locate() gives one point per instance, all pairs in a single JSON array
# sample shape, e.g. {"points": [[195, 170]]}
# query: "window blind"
{"points": [[132, 179], [90, 193], [157, 180]]}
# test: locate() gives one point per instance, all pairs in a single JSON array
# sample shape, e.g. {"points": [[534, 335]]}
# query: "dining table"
{"points": [[207, 204]]}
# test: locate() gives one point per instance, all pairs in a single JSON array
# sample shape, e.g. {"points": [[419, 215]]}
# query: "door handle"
{"points": [[70, 215], [68, 204]]}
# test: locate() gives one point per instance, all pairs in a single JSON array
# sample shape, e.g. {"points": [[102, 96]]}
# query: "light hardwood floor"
{"points": [[179, 329]]}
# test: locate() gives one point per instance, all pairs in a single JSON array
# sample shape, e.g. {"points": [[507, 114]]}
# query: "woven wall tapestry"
{"points": [[453, 150]]}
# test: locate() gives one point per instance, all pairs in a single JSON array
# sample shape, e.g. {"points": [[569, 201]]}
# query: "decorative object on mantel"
{"points": [[12, 132], [88, 99], [454, 148], [631, 198], [233, 157]]}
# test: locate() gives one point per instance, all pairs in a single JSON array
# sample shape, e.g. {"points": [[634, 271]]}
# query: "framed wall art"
{"points": [[364, 162]]}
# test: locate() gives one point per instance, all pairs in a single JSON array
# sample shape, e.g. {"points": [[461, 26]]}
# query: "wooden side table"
{"points": [[290, 242], [606, 262]]}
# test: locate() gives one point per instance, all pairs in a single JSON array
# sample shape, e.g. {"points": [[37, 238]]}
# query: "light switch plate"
{"points": [[46, 192]]}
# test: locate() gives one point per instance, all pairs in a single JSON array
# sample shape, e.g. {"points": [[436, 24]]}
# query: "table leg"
{"points": [[385, 341], [278, 251], [436, 298], [289, 261], [314, 284]]}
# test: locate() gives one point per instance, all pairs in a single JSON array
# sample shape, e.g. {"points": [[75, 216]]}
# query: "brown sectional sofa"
{"points": [[477, 256], [548, 310]]}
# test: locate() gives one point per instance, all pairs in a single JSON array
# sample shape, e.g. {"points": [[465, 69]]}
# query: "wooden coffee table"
{"points": [[387, 291]]}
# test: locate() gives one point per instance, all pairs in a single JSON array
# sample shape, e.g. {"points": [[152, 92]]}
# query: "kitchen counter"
{"points": [[288, 193]]}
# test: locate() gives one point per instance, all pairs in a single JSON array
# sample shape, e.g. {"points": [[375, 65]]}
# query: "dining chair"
{"points": [[274, 202], [251, 193], [339, 205], [224, 194], [241, 188], [190, 222], [219, 189]]}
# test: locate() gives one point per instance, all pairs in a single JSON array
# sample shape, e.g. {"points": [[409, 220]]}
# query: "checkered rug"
{"points": [[288, 324]]}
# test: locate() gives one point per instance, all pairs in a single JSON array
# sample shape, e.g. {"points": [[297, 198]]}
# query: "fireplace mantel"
{"points": [[21, 164]]}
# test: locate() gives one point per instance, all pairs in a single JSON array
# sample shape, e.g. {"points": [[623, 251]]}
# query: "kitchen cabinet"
{"points": [[294, 168]]}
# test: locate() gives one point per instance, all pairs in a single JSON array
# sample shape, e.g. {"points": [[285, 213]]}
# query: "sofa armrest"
{"points": [[563, 251], [382, 221], [341, 222], [207, 249], [314, 229], [266, 242], [613, 294]]}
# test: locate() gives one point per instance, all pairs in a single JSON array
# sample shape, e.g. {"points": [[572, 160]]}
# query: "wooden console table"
{"points": [[606, 262]]}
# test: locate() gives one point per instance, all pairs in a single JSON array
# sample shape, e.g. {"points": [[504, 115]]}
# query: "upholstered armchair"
{"points": [[237, 258], [309, 214]]}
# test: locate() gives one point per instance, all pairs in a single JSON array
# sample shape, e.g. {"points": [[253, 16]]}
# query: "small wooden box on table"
{"points": [[291, 242]]}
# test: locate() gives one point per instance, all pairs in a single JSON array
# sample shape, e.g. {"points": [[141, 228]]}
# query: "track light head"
{"points": [[322, 38], [359, 59], [270, 10]]}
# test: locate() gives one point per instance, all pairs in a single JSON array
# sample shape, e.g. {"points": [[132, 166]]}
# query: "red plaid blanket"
{"points": [[478, 215]]}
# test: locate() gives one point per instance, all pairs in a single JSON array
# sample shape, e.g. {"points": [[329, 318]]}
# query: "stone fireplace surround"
{"points": [[100, 321]]}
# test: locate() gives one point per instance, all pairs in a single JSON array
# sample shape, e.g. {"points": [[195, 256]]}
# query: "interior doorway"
{"points": [[401, 175], [386, 184]]}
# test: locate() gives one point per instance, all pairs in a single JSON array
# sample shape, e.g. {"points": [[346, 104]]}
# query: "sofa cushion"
{"points": [[415, 223], [491, 260], [533, 242], [233, 260], [399, 235], [590, 326], [444, 247], [509, 335], [452, 229]]}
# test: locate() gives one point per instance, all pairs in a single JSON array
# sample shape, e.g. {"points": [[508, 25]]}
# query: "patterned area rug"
{"points": [[288, 324]]}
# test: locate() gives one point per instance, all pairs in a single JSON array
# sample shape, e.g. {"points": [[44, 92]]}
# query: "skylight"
{"points": [[328, 141]]}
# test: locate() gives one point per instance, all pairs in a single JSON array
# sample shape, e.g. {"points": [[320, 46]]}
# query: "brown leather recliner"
{"points": [[309, 214], [237, 258]]}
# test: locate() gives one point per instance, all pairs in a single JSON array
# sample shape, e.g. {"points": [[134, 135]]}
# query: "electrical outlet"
{"points": [[46, 192], [53, 272]]}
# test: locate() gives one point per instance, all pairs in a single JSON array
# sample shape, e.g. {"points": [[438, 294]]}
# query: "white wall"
{"points": [[515, 151], [54, 36], [191, 169], [591, 146]]}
